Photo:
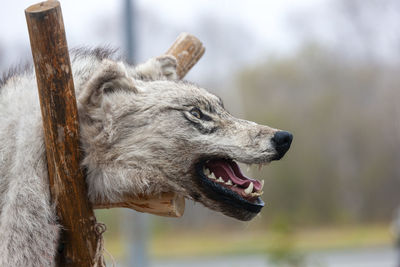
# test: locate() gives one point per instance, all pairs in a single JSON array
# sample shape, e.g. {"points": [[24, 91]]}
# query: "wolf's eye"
{"points": [[196, 113]]}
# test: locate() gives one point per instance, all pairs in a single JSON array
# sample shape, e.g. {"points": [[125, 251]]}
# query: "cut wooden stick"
{"points": [[61, 134], [188, 50], [166, 204]]}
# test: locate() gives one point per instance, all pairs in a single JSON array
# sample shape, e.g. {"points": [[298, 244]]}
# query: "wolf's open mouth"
{"points": [[224, 181], [228, 174]]}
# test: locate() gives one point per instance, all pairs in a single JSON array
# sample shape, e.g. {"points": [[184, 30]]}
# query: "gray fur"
{"points": [[138, 136]]}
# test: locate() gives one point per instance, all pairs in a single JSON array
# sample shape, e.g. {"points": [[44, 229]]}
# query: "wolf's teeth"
{"points": [[212, 176], [220, 180], [206, 171], [262, 185], [256, 194], [249, 189], [229, 182]]}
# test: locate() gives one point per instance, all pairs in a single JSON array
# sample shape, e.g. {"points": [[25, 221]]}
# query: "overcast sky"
{"points": [[236, 33], [93, 22]]}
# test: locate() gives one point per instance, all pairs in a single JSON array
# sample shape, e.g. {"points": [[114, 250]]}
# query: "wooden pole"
{"points": [[187, 49], [60, 120]]}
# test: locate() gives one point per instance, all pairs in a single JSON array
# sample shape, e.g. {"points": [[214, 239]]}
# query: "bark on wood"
{"points": [[188, 50], [60, 121]]}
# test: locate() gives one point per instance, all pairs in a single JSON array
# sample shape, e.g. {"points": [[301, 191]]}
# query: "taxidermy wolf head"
{"points": [[145, 132]]}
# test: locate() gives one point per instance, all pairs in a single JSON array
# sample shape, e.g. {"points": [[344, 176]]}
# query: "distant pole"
{"points": [[135, 224], [130, 41], [396, 232]]}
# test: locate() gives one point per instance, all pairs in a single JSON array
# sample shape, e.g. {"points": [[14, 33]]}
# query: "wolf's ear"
{"points": [[110, 77]]}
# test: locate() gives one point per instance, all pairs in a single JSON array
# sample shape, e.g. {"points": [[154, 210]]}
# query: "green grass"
{"points": [[208, 243]]}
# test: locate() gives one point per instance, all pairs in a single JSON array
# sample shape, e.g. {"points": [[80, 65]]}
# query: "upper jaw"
{"points": [[263, 158]]}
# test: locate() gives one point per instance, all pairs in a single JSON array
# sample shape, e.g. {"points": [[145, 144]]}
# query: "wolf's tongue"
{"points": [[229, 170]]}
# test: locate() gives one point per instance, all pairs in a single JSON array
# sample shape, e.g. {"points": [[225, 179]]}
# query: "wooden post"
{"points": [[60, 120]]}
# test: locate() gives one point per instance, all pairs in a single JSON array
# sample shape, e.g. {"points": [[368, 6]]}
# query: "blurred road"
{"points": [[382, 257]]}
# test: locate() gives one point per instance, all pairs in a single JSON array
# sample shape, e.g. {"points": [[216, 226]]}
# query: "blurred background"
{"points": [[326, 70]]}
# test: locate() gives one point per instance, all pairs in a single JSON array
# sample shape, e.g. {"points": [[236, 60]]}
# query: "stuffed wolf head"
{"points": [[144, 132]]}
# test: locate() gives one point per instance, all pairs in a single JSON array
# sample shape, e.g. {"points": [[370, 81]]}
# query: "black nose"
{"points": [[282, 141]]}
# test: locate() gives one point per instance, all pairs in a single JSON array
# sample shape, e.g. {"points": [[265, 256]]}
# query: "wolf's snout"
{"points": [[282, 141]]}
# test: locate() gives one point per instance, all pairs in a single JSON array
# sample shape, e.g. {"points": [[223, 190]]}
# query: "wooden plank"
{"points": [[188, 50], [61, 132]]}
